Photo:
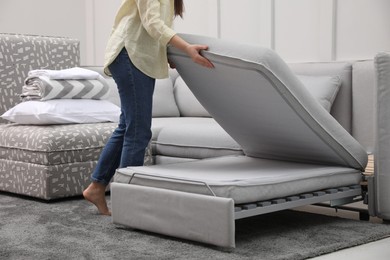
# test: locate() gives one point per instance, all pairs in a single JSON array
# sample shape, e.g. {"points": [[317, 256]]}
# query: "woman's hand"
{"points": [[193, 51]]}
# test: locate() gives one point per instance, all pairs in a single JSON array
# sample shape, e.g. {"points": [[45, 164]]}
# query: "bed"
{"points": [[295, 152]]}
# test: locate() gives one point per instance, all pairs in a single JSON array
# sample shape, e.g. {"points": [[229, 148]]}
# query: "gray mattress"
{"points": [[243, 178], [256, 98]]}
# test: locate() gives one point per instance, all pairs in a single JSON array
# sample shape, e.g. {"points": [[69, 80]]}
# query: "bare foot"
{"points": [[95, 193]]}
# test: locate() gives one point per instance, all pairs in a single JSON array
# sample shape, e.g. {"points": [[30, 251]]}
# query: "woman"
{"points": [[136, 56]]}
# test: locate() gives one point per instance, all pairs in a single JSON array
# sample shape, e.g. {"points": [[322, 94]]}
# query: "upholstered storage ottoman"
{"points": [[50, 161]]}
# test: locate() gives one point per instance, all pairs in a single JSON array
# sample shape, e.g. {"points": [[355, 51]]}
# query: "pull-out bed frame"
{"points": [[296, 153]]}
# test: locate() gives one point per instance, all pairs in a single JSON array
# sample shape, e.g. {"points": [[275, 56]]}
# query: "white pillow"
{"points": [[323, 88], [63, 111]]}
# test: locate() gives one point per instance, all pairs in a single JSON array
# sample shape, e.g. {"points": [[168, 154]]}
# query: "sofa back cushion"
{"points": [[323, 88], [164, 104], [188, 105], [21, 53], [342, 106]]}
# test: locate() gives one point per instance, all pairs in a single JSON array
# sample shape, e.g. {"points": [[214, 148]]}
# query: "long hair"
{"points": [[179, 8]]}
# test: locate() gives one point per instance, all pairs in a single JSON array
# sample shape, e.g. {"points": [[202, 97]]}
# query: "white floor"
{"points": [[378, 250]]}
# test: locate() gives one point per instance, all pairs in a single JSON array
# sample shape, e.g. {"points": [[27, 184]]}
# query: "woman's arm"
{"points": [[149, 12], [193, 50], [150, 17]]}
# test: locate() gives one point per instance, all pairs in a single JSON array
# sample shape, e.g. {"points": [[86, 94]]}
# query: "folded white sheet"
{"points": [[72, 73]]}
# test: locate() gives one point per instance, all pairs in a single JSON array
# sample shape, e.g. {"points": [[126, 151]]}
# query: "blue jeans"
{"points": [[126, 146]]}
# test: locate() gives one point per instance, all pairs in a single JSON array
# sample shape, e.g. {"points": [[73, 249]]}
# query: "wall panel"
{"points": [[100, 25], [363, 28], [303, 29], [250, 21], [200, 17]]}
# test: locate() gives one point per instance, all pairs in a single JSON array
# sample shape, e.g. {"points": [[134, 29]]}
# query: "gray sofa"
{"points": [[55, 161], [295, 152]]}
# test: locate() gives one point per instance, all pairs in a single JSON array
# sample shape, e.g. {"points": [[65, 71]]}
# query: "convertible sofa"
{"points": [[56, 161], [294, 151]]}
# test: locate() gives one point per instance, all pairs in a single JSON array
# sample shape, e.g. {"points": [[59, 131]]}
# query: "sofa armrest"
{"points": [[382, 152]]}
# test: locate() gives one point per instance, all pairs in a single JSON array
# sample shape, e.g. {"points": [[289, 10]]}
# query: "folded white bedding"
{"points": [[72, 73]]}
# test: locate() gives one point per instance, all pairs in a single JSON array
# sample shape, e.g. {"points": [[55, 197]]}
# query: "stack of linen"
{"points": [[74, 95], [73, 83]]}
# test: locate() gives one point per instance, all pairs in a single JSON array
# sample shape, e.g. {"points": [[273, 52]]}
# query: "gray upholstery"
{"points": [[382, 153], [53, 144], [255, 97], [196, 138], [243, 178], [175, 138], [291, 145], [43, 161], [253, 94], [50, 161], [363, 105], [22, 53], [180, 216], [342, 106], [188, 104]]}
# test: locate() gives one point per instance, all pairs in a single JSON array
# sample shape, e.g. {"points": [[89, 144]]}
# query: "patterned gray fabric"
{"points": [[45, 182], [53, 144], [43, 161], [43, 88], [49, 161], [52, 161], [21, 53]]}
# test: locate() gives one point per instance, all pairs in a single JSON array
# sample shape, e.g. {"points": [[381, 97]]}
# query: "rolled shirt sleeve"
{"points": [[149, 12]]}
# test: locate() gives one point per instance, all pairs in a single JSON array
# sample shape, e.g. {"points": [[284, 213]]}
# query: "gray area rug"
{"points": [[72, 229]]}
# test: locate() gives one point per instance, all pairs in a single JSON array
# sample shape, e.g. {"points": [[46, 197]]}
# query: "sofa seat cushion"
{"points": [[195, 138], [53, 144]]}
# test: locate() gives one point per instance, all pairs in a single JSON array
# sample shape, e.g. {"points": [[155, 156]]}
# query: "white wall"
{"points": [[99, 22], [299, 30], [303, 29], [45, 17], [201, 17], [363, 28]]}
